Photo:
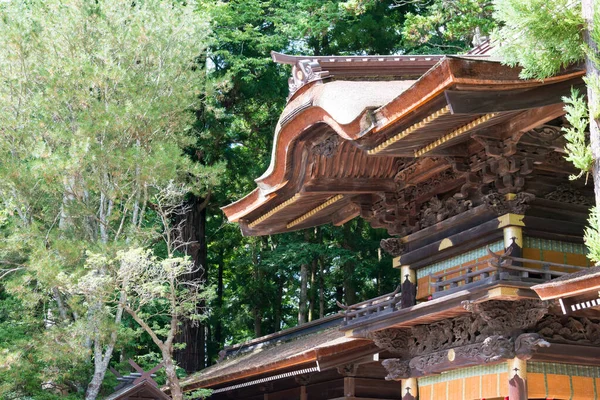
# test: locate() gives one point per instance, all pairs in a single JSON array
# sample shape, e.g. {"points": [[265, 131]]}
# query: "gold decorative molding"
{"points": [[409, 130], [510, 220], [274, 210], [446, 243], [455, 133], [315, 210]]}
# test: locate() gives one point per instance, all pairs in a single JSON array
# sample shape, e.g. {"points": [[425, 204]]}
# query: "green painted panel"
{"points": [[460, 259], [464, 373]]}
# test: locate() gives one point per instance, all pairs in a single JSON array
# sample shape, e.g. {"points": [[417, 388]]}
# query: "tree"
{"points": [[543, 37], [150, 288], [97, 104], [446, 26]]}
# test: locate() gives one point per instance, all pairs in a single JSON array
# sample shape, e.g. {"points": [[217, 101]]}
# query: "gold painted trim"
{"points": [[510, 220], [444, 244], [409, 130], [455, 133], [396, 262], [274, 210], [315, 210], [503, 291]]}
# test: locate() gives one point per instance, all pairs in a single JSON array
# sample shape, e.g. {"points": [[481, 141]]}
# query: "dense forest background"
{"points": [[261, 284]]}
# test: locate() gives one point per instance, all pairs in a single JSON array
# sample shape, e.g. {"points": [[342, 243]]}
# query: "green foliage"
{"points": [[97, 109], [447, 26], [591, 236], [578, 148], [198, 394], [542, 36]]}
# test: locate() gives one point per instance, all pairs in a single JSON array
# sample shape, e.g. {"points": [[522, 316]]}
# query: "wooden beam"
{"points": [[479, 102], [349, 185], [569, 354]]}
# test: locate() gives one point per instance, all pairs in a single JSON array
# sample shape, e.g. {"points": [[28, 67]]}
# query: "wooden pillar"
{"points": [[410, 389], [349, 386], [303, 381], [408, 279], [348, 371], [517, 384], [512, 228]]}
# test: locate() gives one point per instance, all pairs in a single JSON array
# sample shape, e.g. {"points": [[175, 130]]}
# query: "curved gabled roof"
{"points": [[340, 144]]}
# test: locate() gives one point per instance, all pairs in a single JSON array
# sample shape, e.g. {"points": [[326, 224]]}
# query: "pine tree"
{"points": [[544, 36], [97, 103]]}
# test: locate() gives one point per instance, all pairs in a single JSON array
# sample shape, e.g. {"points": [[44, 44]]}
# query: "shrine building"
{"points": [[462, 162]]}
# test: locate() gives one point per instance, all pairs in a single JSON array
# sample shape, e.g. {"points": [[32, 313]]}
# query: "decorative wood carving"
{"points": [[392, 246], [347, 369], [500, 164], [499, 204], [527, 344], [492, 349], [397, 369], [425, 364], [507, 317], [327, 147], [570, 330], [437, 210], [557, 159], [394, 340], [568, 194], [547, 134], [303, 72]]}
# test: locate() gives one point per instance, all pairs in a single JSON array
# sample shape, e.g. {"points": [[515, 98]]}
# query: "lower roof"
{"points": [[586, 280], [280, 355]]}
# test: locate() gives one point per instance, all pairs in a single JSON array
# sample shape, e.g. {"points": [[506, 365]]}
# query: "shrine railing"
{"points": [[377, 306], [500, 267]]}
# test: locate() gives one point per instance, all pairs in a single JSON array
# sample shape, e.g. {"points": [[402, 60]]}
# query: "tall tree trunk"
{"points": [[303, 289], [171, 373], [257, 322], [101, 359], [193, 357], [321, 289], [593, 97], [278, 304], [349, 267], [311, 292], [219, 323]]}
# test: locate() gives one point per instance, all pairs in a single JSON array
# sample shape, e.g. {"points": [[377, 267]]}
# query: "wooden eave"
{"points": [[143, 390], [435, 116], [576, 284], [325, 355]]}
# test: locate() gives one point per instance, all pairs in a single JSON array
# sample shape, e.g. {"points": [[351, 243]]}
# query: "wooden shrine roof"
{"points": [[340, 140], [279, 354], [145, 390], [580, 282]]}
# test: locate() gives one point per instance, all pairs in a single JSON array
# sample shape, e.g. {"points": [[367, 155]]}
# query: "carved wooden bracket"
{"points": [[392, 246], [397, 369], [348, 369], [500, 205]]}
